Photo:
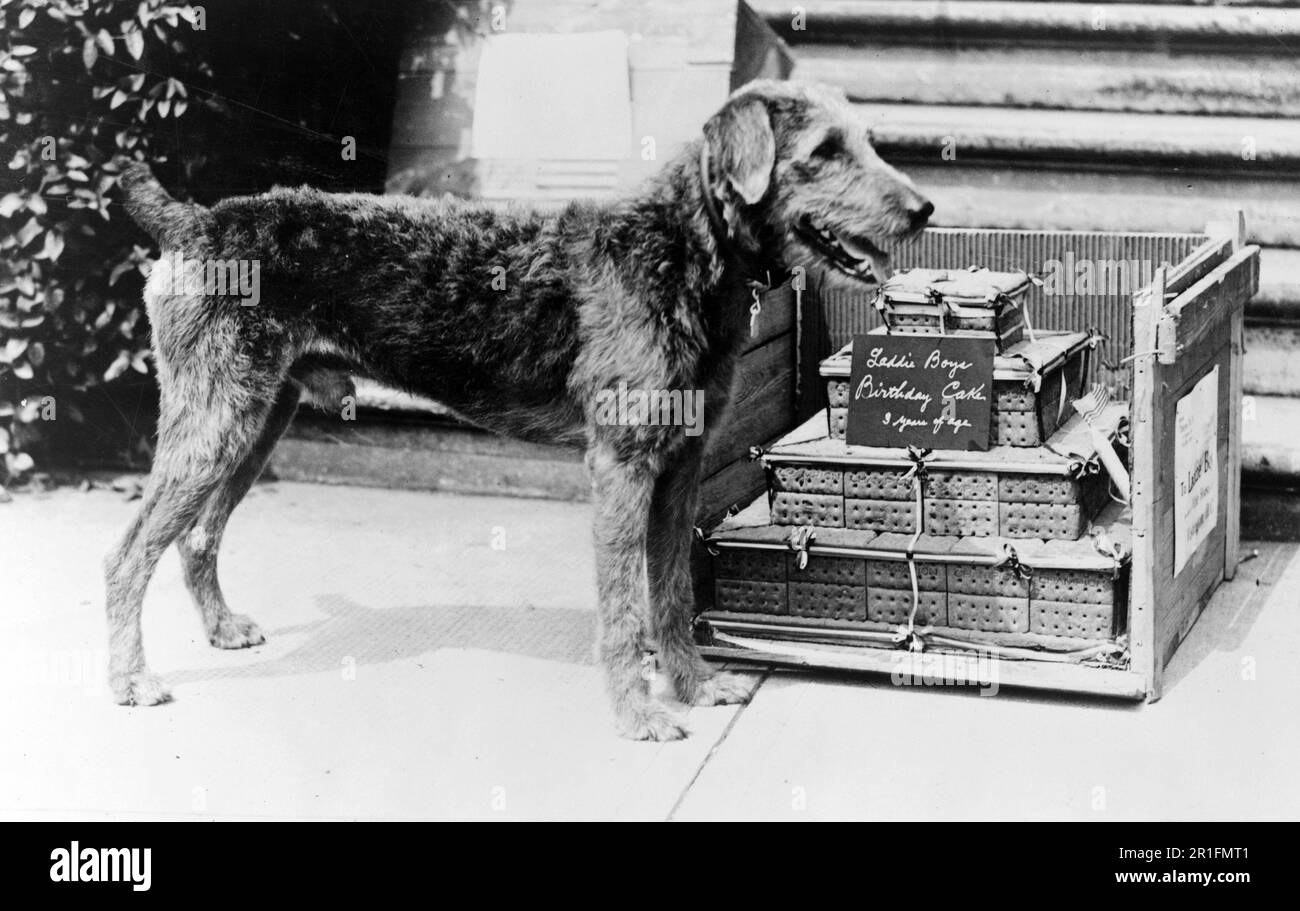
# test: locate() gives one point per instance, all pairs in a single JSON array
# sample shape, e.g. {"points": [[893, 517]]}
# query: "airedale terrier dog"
{"points": [[649, 292]]}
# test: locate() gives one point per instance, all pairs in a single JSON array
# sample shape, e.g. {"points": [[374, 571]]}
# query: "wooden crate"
{"points": [[1165, 339]]}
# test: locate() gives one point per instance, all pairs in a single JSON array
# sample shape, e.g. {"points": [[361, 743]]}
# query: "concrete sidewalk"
{"points": [[430, 656]]}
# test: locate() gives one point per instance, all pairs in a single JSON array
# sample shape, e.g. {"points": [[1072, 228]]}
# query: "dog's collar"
{"points": [[721, 232]]}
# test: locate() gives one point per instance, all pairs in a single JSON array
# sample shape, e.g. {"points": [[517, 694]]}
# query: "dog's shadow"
{"points": [[352, 632]]}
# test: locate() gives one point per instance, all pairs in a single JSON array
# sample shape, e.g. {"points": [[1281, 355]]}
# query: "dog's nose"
{"points": [[920, 211]]}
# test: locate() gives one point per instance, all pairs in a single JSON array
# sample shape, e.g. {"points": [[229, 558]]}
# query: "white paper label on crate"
{"points": [[1196, 467]]}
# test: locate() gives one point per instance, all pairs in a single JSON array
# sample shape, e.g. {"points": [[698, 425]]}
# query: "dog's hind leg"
{"points": [[199, 544], [668, 562], [198, 450], [623, 491]]}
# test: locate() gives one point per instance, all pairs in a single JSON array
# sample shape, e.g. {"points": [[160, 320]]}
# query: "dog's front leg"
{"points": [[668, 559], [623, 490]]}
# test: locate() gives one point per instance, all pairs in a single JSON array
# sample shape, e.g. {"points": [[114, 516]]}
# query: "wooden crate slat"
{"points": [[1176, 346], [762, 403], [1207, 257], [1071, 678], [1199, 309]]}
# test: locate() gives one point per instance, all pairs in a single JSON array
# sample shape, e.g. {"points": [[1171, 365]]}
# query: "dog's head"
{"points": [[798, 182]]}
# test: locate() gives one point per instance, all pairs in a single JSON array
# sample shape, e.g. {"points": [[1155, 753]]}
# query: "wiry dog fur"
{"points": [[648, 291]]}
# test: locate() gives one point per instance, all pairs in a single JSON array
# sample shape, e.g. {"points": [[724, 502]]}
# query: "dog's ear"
{"points": [[743, 146]]}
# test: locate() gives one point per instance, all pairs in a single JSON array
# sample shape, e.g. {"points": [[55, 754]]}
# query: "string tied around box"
{"points": [[908, 637], [704, 540], [1034, 380], [1124, 433], [798, 541], [1096, 338], [878, 300], [1024, 307], [940, 307], [1008, 301], [1080, 466], [918, 474], [1105, 654], [1010, 561], [1108, 547]]}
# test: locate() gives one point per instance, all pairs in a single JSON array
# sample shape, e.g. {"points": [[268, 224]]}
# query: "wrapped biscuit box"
{"points": [[972, 302]]}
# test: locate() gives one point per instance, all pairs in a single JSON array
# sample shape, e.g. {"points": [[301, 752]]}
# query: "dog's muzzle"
{"points": [[858, 258]]}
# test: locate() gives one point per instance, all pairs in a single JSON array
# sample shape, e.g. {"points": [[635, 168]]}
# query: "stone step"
{"points": [[1222, 24], [1278, 300], [1272, 364], [950, 133], [1270, 451], [1123, 57], [1270, 465]]}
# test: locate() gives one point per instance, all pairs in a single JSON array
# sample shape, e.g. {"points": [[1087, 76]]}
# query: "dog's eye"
{"points": [[830, 146]]}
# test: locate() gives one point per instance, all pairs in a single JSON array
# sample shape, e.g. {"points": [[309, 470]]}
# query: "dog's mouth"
{"points": [[856, 257]]}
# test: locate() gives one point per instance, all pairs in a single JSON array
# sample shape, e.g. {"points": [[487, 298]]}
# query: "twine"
{"points": [[1029, 327], [798, 542], [1108, 547], [1011, 562], [704, 540], [814, 654], [918, 474], [1080, 466]]}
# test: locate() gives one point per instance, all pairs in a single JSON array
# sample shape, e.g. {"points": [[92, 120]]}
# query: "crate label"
{"points": [[1196, 468], [920, 390]]}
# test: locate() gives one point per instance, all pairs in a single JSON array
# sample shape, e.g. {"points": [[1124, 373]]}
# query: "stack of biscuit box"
{"points": [[1022, 546]]}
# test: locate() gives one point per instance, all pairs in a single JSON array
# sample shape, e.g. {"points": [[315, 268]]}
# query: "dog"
{"points": [[517, 321]]}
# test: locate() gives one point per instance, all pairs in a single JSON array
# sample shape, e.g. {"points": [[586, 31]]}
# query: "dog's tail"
{"points": [[167, 220]]}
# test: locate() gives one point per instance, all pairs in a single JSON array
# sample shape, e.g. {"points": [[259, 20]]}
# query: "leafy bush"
{"points": [[227, 98], [81, 82]]}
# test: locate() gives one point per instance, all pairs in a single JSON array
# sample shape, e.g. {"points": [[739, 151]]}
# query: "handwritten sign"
{"points": [[920, 390], [1196, 467]]}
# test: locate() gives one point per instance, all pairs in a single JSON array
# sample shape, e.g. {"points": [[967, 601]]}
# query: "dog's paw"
{"points": [[236, 631], [725, 688], [652, 723], [140, 688]]}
